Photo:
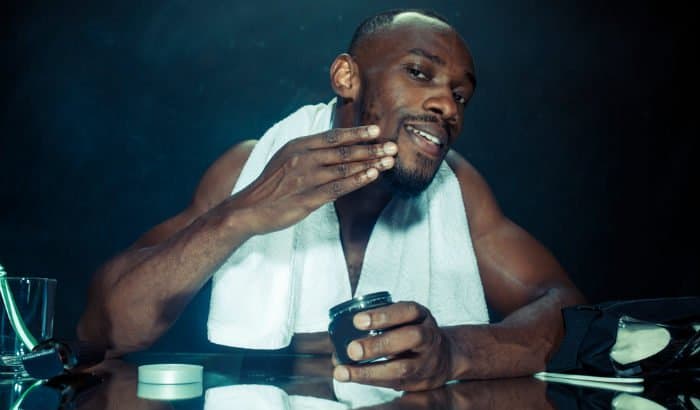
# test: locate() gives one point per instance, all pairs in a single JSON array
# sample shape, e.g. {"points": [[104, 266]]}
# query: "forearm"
{"points": [[519, 345], [138, 296]]}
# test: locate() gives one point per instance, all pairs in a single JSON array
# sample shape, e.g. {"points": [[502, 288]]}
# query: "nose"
{"points": [[443, 104]]}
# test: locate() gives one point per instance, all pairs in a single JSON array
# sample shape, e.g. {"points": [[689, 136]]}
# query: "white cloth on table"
{"points": [[263, 397]]}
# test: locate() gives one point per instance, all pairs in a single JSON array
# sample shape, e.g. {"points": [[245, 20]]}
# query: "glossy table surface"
{"points": [[285, 381]]}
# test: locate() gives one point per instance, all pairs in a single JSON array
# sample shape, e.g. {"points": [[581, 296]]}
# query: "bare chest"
{"points": [[354, 257], [355, 232], [354, 252]]}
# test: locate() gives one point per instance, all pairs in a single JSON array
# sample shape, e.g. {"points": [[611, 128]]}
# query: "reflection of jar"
{"points": [[341, 329]]}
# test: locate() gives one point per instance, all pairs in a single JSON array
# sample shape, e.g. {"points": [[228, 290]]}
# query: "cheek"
{"points": [[369, 114], [385, 106], [380, 99], [375, 110]]}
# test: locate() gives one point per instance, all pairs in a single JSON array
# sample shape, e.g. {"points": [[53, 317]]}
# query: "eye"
{"points": [[460, 99], [417, 73]]}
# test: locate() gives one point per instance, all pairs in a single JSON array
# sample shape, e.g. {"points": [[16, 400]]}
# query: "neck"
{"points": [[363, 204], [345, 115], [357, 214]]}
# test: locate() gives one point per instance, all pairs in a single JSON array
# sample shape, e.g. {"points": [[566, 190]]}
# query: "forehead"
{"points": [[410, 31]]}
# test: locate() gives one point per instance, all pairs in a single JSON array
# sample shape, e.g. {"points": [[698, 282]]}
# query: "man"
{"points": [[401, 93]]}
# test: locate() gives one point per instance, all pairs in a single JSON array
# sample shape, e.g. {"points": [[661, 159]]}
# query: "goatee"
{"points": [[408, 183]]}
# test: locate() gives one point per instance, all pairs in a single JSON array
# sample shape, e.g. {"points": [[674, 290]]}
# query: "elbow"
{"points": [[89, 330], [131, 328], [116, 326], [91, 326], [568, 295]]}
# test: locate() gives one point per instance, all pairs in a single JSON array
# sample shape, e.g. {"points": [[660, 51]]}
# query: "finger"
{"points": [[389, 343], [353, 153], [392, 315], [392, 373], [342, 136], [335, 189], [333, 172]]}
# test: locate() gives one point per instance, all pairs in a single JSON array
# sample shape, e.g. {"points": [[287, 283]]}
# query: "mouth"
{"points": [[431, 141]]}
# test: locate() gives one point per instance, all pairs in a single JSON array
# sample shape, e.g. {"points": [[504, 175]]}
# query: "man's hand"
{"points": [[311, 171], [419, 352]]}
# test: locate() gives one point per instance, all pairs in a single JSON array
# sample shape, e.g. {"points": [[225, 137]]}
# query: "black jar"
{"points": [[341, 329]]}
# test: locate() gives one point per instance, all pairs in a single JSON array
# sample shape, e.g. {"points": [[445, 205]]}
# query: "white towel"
{"points": [[356, 395], [263, 397], [267, 397], [284, 282]]}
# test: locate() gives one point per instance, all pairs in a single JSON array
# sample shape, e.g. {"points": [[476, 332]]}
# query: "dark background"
{"points": [[584, 122]]}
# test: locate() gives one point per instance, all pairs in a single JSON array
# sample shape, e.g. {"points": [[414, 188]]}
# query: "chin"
{"points": [[409, 182]]}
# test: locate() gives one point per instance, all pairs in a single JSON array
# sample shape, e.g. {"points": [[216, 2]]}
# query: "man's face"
{"points": [[417, 77]]}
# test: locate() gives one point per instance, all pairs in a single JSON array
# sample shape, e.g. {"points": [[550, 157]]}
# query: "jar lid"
{"points": [[170, 373], [361, 302]]}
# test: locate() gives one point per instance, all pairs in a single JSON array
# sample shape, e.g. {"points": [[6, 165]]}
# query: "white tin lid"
{"points": [[170, 373]]}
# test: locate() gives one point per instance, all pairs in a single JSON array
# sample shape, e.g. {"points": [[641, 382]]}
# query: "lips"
{"points": [[427, 137]]}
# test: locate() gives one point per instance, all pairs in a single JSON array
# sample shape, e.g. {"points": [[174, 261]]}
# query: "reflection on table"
{"points": [[284, 381]]}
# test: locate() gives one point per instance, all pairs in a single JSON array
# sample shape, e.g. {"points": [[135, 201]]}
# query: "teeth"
{"points": [[435, 140]]}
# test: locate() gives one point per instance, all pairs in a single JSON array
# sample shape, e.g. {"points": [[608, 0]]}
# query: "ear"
{"points": [[345, 77]]}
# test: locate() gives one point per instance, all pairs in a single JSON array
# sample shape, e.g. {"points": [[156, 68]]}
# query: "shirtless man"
{"points": [[406, 65]]}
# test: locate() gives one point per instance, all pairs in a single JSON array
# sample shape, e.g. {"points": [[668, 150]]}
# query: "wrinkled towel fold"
{"points": [[265, 397], [284, 282]]}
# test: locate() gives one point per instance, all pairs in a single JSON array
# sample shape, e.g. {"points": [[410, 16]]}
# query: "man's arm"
{"points": [[139, 294], [521, 279], [130, 299]]}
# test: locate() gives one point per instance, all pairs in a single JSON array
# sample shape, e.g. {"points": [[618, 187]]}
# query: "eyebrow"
{"points": [[471, 77], [437, 60], [420, 52]]}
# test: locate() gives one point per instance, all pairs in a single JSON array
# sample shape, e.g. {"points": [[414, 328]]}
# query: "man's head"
{"points": [[411, 73]]}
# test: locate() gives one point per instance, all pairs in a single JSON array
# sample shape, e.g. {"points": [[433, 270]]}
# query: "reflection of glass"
{"points": [[519, 393], [12, 392], [356, 395], [263, 397], [34, 302], [170, 381], [273, 381], [169, 392], [669, 392]]}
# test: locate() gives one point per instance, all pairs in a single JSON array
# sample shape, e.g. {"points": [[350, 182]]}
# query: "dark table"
{"points": [[290, 381]]}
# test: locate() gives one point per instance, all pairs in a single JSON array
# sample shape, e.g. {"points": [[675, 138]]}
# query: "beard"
{"points": [[403, 179], [410, 182]]}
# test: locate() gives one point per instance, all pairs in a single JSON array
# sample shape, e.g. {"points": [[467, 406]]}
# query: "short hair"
{"points": [[379, 21]]}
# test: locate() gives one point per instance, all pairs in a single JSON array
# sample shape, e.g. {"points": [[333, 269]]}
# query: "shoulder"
{"points": [[482, 209]]}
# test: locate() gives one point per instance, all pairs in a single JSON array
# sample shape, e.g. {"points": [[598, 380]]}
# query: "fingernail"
{"points": [[373, 130], [387, 162], [341, 374], [390, 148], [372, 173], [355, 351], [362, 320]]}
